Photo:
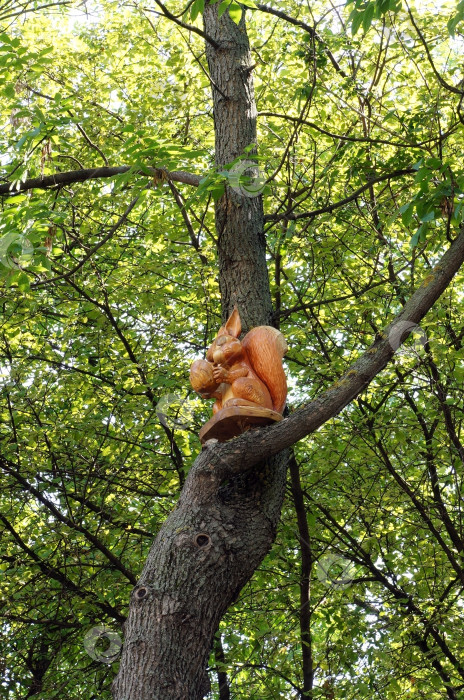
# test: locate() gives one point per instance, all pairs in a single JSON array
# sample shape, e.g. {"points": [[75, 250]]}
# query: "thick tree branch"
{"points": [[72, 176]]}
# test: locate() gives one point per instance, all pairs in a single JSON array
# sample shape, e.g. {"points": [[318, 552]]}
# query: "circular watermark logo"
{"points": [[246, 177], [403, 329], [102, 644], [175, 412], [7, 259], [335, 571]]}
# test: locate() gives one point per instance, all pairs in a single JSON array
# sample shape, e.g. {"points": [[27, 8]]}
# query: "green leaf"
{"points": [[430, 216], [22, 280], [420, 235], [223, 7], [15, 199], [434, 163], [454, 21], [356, 20], [368, 15], [407, 211], [235, 12], [423, 174], [196, 9], [9, 91], [217, 192], [423, 231]]}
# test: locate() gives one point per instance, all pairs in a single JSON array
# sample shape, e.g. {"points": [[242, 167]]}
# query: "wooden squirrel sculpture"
{"points": [[247, 375]]}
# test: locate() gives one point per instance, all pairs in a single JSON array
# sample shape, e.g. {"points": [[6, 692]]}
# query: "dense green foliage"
{"points": [[96, 341]]}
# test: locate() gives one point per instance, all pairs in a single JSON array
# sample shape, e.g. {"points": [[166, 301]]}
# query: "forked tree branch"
{"points": [[190, 27], [221, 461]]}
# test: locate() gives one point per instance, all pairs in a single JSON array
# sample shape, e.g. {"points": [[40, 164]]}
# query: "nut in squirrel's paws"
{"points": [[202, 377]]}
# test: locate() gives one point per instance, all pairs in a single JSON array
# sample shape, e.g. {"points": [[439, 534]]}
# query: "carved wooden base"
{"points": [[234, 420]]}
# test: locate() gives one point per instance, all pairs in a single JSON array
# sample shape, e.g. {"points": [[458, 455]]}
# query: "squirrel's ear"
{"points": [[234, 324]]}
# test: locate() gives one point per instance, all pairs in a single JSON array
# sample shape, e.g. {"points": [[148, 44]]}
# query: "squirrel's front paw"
{"points": [[220, 374]]}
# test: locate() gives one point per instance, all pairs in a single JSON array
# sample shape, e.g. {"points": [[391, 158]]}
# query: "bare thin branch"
{"points": [[165, 13], [311, 31], [336, 205], [354, 139], [93, 250]]}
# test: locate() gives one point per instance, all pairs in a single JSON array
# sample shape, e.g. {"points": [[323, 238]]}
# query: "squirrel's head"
{"points": [[226, 348]]}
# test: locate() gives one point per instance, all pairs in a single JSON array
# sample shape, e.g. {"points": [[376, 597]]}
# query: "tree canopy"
{"points": [[109, 290]]}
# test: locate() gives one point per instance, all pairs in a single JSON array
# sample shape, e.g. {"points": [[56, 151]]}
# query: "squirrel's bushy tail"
{"points": [[265, 347]]}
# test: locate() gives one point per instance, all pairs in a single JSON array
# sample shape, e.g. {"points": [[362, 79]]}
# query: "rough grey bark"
{"points": [[243, 275], [222, 527], [205, 553]]}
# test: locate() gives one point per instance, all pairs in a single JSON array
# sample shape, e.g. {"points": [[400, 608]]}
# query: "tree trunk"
{"points": [[218, 534], [243, 275]]}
